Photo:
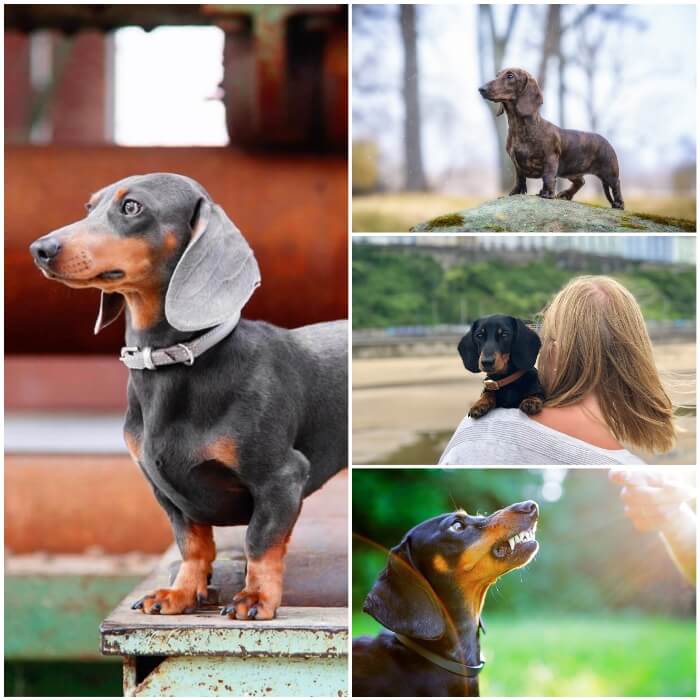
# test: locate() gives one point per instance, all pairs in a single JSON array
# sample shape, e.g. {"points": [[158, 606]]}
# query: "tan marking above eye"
{"points": [[120, 193]]}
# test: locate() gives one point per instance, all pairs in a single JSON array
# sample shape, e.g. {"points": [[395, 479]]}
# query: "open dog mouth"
{"points": [[513, 544], [111, 275]]}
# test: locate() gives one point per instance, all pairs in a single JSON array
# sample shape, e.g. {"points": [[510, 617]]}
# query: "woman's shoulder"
{"points": [[508, 434]]}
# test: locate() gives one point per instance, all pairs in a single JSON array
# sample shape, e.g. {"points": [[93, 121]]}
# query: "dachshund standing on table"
{"points": [[539, 149], [243, 407], [506, 349], [431, 595]]}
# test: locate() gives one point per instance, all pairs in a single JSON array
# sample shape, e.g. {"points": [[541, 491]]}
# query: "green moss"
{"points": [[445, 220], [627, 222], [683, 224], [497, 229]]}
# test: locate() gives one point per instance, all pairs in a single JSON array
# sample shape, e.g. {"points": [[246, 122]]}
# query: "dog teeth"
{"points": [[524, 536]]}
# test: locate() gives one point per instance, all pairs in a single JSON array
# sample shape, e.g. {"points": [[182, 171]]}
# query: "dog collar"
{"points": [[449, 665], [495, 385], [182, 353]]}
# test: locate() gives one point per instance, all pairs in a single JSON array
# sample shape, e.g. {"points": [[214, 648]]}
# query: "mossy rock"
{"points": [[535, 214]]}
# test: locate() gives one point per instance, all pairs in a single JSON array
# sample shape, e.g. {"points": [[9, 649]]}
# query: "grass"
{"points": [[398, 211], [543, 655]]}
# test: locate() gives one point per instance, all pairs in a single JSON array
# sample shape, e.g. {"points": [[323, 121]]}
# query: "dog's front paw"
{"points": [[532, 405], [479, 409], [169, 601], [251, 605]]}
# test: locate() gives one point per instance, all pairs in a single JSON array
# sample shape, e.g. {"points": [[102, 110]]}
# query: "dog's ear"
{"points": [[216, 274], [468, 351], [111, 305], [530, 98], [525, 347], [403, 601]]}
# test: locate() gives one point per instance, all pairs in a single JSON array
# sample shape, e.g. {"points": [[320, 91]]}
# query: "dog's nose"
{"points": [[527, 507], [44, 250], [488, 362], [482, 91]]}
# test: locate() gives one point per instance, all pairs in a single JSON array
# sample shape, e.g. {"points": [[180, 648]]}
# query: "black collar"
{"points": [[449, 665]]}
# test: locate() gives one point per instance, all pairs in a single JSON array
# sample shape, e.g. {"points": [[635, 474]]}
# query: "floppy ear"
{"points": [[403, 601], [530, 98], [526, 346], [468, 350], [215, 276], [111, 305]]}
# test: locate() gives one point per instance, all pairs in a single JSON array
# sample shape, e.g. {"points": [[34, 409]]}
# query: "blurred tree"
{"points": [[413, 154], [492, 47]]}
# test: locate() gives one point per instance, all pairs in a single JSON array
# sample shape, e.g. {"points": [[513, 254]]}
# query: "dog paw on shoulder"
{"points": [[480, 408], [531, 405]]}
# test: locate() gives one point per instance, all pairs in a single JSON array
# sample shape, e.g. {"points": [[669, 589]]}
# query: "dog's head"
{"points": [[495, 341], [159, 236], [442, 569], [514, 86]]}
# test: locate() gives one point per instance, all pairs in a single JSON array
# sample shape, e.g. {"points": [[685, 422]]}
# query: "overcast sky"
{"points": [[649, 115]]}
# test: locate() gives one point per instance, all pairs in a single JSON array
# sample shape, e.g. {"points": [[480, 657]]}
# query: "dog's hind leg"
{"points": [[577, 182], [615, 198], [277, 506], [520, 186]]}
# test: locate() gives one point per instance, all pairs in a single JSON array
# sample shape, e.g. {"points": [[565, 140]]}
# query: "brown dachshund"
{"points": [[539, 149], [430, 596]]}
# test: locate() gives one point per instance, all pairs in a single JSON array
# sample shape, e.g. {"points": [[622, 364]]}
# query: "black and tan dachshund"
{"points": [[245, 408], [430, 596], [506, 349]]}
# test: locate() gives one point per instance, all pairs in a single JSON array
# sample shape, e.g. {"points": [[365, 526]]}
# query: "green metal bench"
{"points": [[303, 652]]}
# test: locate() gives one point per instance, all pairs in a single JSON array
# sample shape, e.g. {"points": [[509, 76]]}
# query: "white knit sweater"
{"points": [[508, 436]]}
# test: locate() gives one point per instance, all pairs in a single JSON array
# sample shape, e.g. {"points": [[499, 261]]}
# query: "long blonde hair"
{"points": [[594, 339]]}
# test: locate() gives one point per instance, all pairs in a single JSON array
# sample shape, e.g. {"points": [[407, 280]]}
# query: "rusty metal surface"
{"points": [[242, 677], [292, 209], [295, 632], [71, 503], [51, 383], [72, 18]]}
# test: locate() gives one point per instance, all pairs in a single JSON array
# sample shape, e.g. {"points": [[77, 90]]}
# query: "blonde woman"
{"points": [[603, 390]]}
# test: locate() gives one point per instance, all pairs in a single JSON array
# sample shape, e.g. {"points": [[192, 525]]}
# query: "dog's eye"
{"points": [[131, 207], [509, 76], [457, 526]]}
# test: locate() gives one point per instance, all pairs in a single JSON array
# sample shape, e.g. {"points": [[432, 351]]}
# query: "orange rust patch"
{"points": [[224, 450], [440, 564], [119, 194], [133, 444]]}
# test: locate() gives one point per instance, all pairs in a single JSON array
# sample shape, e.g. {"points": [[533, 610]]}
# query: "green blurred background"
{"points": [[601, 610]]}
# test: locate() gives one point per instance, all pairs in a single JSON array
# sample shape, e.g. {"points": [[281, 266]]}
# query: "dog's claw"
{"points": [[227, 609], [138, 605], [253, 612]]}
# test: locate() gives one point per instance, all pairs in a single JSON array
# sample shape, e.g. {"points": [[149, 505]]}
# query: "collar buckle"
{"points": [[127, 352]]}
